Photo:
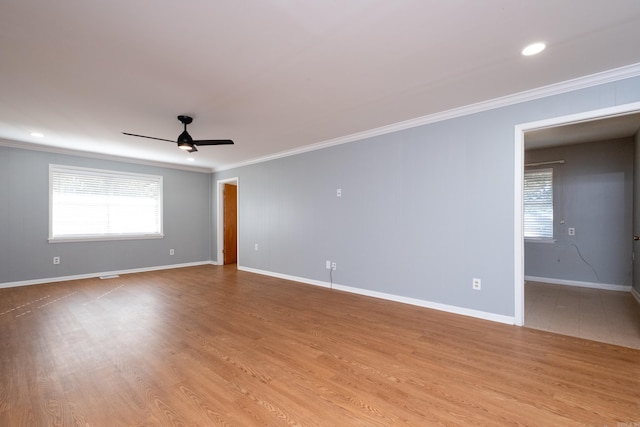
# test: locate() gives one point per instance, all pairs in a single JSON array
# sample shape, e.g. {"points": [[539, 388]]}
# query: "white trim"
{"points": [[286, 277], [609, 76], [543, 241], [592, 285], [104, 273], [635, 294], [616, 74], [518, 256], [70, 152], [509, 320], [99, 238], [518, 226], [585, 116], [220, 220]]}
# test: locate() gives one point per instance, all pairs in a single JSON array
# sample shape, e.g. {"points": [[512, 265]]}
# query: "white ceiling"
{"points": [[276, 75], [610, 128]]}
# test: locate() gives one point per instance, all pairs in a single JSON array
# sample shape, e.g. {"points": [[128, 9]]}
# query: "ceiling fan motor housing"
{"points": [[185, 137]]}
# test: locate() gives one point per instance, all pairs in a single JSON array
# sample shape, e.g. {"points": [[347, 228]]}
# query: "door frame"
{"points": [[518, 221], [220, 220]]}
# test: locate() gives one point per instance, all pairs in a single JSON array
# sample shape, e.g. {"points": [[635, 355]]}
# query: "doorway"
{"points": [[227, 224], [521, 131]]}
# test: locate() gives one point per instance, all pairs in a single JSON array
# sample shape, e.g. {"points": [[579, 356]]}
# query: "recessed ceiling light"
{"points": [[37, 134], [191, 159], [533, 49]]}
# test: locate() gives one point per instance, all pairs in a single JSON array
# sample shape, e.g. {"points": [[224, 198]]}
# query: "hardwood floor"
{"points": [[208, 345]]}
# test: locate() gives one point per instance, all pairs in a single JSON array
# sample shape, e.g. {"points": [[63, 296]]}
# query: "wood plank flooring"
{"points": [[210, 345]]}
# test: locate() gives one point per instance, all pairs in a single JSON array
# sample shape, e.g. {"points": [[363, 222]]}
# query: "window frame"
{"points": [[542, 239], [158, 179]]}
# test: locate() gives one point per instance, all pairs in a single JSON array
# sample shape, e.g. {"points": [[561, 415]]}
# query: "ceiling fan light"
{"points": [[185, 145]]}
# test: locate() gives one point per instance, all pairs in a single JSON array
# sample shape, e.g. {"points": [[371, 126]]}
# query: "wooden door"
{"points": [[230, 224]]}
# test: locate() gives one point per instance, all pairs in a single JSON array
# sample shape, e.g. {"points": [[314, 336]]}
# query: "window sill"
{"points": [[75, 239], [529, 240]]}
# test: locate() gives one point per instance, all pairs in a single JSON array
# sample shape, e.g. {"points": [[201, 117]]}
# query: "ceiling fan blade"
{"points": [[149, 137], [214, 142]]}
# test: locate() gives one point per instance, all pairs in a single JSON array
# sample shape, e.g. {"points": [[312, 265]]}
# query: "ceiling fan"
{"points": [[185, 141]]}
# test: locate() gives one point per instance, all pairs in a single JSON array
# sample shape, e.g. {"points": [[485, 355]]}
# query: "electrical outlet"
{"points": [[56, 260], [255, 247], [334, 266], [172, 252], [477, 284], [327, 265], [572, 231]]}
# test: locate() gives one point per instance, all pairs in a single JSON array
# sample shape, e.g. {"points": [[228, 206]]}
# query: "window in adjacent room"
{"points": [[95, 204], [538, 204]]}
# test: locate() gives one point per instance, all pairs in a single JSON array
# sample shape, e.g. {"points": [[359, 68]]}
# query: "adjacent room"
{"points": [[581, 177], [320, 213]]}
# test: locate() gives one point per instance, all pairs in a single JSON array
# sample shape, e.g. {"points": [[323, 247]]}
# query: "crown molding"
{"points": [[80, 153], [604, 77]]}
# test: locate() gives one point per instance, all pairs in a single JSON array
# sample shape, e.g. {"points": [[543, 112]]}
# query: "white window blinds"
{"points": [[538, 204], [94, 204]]}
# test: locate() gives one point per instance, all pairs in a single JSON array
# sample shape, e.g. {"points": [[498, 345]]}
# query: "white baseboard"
{"points": [[604, 286], [635, 294], [509, 320], [104, 273]]}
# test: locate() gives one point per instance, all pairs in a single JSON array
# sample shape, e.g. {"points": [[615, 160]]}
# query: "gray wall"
{"points": [[423, 210], [593, 193], [26, 255]]}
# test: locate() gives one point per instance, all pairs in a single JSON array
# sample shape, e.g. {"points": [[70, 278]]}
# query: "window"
{"points": [[538, 204], [94, 204]]}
